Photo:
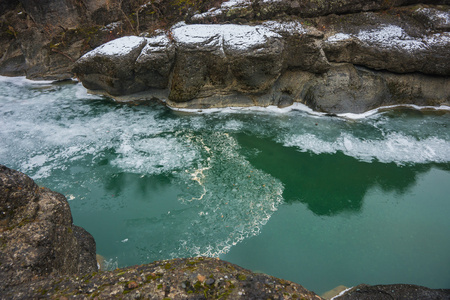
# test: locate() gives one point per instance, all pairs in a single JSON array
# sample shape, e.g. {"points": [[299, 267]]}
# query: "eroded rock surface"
{"points": [[394, 291], [193, 278], [37, 236], [341, 63]]}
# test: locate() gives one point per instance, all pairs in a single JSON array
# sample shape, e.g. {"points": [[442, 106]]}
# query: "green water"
{"points": [[322, 201]]}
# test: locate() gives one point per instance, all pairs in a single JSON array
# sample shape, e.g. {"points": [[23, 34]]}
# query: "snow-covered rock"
{"points": [[331, 66]]}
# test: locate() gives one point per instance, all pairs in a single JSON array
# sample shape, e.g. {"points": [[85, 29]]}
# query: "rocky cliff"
{"points": [[273, 55], [334, 56]]}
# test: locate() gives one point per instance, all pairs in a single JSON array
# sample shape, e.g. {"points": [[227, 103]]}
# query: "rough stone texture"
{"points": [[394, 291], [111, 70], [193, 278], [342, 63], [245, 11], [395, 42], [324, 43], [37, 237]]}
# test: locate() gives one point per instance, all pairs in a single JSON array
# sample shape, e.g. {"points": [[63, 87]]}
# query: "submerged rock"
{"points": [[38, 238]]}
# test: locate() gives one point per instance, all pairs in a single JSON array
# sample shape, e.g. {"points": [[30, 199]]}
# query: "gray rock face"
{"points": [[189, 278], [263, 10], [111, 66], [394, 291], [390, 44], [351, 63], [37, 236]]}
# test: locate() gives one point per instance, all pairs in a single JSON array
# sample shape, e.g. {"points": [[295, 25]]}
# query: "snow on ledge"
{"points": [[225, 6], [118, 47], [239, 37], [339, 37], [393, 37]]}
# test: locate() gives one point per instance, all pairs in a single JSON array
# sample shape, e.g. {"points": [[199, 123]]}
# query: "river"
{"points": [[319, 200]]}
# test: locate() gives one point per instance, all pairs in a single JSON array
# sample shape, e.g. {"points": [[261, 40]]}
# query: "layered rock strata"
{"points": [[335, 63]]}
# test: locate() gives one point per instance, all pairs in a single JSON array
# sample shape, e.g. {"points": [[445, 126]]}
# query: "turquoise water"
{"points": [[322, 201]]}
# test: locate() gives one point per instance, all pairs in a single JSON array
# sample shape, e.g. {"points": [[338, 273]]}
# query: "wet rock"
{"points": [[37, 236]]}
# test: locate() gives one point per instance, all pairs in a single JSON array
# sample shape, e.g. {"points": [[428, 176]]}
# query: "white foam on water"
{"points": [[377, 110], [394, 147], [235, 199], [45, 133], [153, 155], [271, 109], [23, 81], [341, 293]]}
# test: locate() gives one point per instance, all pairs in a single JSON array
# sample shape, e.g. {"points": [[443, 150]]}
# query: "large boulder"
{"points": [[110, 67], [37, 236]]}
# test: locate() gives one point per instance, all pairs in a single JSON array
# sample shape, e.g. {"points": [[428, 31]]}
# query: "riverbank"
{"points": [[334, 58]]}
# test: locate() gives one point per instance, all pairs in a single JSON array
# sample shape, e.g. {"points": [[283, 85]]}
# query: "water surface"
{"points": [[322, 201]]}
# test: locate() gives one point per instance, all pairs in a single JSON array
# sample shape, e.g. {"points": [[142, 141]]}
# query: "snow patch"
{"points": [[435, 15], [158, 43], [286, 27], [215, 11], [438, 39], [339, 37], [391, 36], [118, 47], [238, 37]]}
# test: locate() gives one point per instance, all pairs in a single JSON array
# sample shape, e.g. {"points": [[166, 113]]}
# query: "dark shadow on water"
{"points": [[327, 183], [142, 186]]}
